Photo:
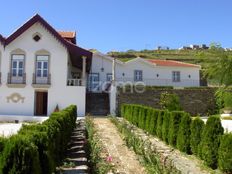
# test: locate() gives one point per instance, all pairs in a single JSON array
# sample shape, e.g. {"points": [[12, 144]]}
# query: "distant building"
{"points": [[195, 47], [163, 48]]}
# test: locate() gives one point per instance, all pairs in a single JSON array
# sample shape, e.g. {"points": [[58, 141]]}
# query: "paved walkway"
{"points": [[125, 160]]}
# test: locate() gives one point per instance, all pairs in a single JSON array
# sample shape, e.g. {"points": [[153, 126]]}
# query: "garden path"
{"points": [[124, 159]]}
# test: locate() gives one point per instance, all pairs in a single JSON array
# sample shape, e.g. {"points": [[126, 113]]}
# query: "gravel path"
{"points": [[125, 160]]}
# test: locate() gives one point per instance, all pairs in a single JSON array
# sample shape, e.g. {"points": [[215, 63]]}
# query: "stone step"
{"points": [[83, 169]]}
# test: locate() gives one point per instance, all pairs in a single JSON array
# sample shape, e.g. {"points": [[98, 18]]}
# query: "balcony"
{"points": [[41, 82], [16, 81], [74, 82]]}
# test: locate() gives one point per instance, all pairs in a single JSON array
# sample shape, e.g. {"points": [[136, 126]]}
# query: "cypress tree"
{"points": [[183, 137], [165, 126], [196, 128], [211, 140]]}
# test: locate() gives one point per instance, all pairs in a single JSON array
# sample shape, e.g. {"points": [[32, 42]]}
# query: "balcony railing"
{"points": [[41, 80], [74, 82], [16, 79]]}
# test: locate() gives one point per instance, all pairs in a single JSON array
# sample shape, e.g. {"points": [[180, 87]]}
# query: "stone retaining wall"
{"points": [[195, 101]]}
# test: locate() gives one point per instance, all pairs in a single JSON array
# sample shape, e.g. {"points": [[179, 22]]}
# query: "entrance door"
{"points": [[93, 82], [41, 103]]}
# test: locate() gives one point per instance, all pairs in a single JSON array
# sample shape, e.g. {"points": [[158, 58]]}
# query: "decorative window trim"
{"points": [[38, 35]]}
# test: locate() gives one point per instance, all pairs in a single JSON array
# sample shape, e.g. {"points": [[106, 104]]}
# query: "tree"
{"points": [[220, 70]]}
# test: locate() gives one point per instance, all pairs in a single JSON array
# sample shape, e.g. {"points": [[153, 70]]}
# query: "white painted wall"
{"points": [[150, 72], [58, 93]]}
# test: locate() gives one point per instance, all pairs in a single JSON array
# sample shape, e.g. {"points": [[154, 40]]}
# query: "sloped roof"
{"points": [[2, 40], [68, 35], [75, 51], [172, 63]]}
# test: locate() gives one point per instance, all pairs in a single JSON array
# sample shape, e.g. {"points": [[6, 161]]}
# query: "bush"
{"points": [[165, 126], [210, 141], [160, 123], [174, 122], [170, 102], [2, 144], [153, 121], [227, 99], [38, 148], [196, 128], [225, 153], [183, 137]]}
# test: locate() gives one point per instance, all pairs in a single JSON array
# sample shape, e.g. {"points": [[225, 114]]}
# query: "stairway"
{"points": [[77, 152], [97, 104]]}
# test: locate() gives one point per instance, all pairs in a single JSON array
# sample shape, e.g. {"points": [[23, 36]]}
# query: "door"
{"points": [[41, 103], [93, 82]]}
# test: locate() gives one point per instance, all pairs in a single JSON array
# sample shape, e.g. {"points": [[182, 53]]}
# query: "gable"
{"points": [[76, 53]]}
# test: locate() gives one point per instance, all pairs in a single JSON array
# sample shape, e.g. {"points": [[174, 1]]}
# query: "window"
{"points": [[41, 66], [176, 76], [138, 75], [17, 65], [109, 77]]}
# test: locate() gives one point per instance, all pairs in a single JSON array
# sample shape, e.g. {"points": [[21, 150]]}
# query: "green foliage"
{"points": [[174, 123], [210, 141], [170, 102], [219, 98], [225, 153], [2, 144], [153, 121], [183, 137], [196, 128], [227, 99], [38, 148], [160, 123], [220, 70], [165, 126]]}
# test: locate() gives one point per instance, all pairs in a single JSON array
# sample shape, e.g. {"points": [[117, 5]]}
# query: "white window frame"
{"points": [[138, 75], [42, 59], [109, 77], [176, 77], [17, 59]]}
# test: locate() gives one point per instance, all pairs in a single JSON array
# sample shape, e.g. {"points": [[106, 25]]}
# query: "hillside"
{"points": [[200, 57]]}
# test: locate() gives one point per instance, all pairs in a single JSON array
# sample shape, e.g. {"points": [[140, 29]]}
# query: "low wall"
{"points": [[194, 101]]}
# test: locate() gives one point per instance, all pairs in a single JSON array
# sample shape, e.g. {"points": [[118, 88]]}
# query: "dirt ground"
{"points": [[124, 159]]}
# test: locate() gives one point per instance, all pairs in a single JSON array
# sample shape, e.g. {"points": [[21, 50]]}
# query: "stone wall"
{"points": [[194, 101]]}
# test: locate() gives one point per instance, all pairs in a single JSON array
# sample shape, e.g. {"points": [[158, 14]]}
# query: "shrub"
{"points": [[196, 128], [183, 137], [153, 121], [2, 144], [174, 122], [148, 119], [225, 153], [160, 123], [20, 155], [210, 141], [170, 102], [38, 148], [142, 117], [165, 126], [227, 99]]}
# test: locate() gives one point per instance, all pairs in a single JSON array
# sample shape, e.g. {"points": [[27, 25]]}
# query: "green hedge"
{"points": [[190, 136], [225, 153], [165, 126], [183, 137], [38, 148], [196, 128], [174, 123], [210, 141]]}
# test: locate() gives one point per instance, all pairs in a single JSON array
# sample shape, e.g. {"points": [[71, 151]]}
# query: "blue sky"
{"points": [[128, 24]]}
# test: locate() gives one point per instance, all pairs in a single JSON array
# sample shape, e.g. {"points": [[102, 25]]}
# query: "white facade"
{"points": [[152, 75], [19, 99]]}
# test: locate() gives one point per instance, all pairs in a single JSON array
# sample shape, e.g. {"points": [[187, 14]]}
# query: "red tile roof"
{"points": [[171, 63], [67, 34]]}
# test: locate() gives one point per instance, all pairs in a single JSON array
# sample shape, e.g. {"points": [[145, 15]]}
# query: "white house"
{"points": [[41, 69], [150, 72]]}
